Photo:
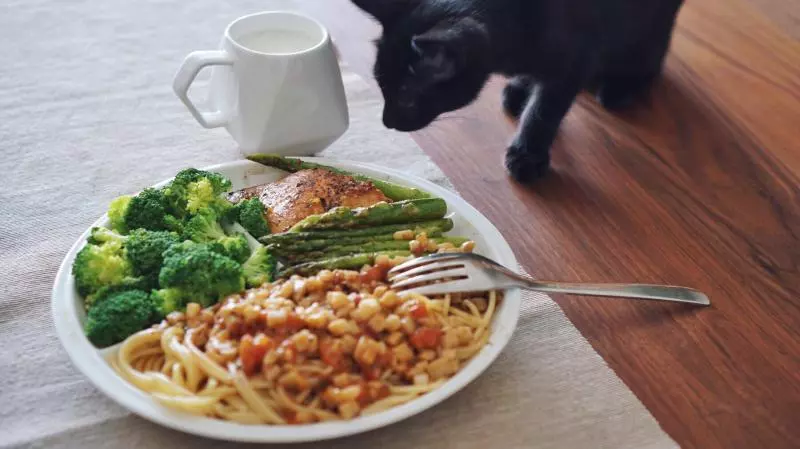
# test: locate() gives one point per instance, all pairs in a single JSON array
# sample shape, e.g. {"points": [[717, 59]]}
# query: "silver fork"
{"points": [[459, 272]]}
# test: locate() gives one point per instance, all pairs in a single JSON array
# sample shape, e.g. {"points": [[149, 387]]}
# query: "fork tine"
{"points": [[463, 285], [455, 272], [424, 269], [423, 261]]}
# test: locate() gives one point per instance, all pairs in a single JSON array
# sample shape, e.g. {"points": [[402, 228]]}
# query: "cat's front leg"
{"points": [[528, 156]]}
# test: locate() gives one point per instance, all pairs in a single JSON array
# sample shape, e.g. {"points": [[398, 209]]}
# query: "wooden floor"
{"points": [[699, 186]]}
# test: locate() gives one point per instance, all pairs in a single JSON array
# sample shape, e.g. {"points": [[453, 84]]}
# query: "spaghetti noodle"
{"points": [[332, 346]]}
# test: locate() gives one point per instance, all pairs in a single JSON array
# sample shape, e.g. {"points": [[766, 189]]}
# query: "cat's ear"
{"points": [[386, 11], [448, 47]]}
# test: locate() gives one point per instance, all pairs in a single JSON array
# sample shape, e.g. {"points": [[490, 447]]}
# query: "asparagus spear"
{"points": [[301, 246], [394, 191], [378, 214], [429, 227], [351, 262], [344, 250]]}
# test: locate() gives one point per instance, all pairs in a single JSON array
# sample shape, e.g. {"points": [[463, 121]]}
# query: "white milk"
{"points": [[278, 41]]}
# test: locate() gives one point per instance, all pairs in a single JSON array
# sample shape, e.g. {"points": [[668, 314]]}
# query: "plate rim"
{"points": [[91, 362]]}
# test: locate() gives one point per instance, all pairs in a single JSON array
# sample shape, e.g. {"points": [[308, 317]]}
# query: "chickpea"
{"points": [[276, 318], [341, 327], [407, 234], [338, 300], [366, 309], [377, 322], [392, 322], [390, 299], [403, 353]]}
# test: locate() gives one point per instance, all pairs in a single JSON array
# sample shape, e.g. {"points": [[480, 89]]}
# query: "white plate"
{"points": [[68, 315]]}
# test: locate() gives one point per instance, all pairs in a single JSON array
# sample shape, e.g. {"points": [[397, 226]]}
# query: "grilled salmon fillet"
{"points": [[308, 192]]}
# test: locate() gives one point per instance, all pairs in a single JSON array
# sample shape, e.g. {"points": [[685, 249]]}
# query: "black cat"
{"points": [[435, 56]]}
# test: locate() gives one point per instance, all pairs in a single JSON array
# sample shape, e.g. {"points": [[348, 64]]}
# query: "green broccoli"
{"points": [[118, 316], [204, 228], [250, 214], [234, 246], [259, 268], [138, 283], [142, 249], [100, 235], [195, 190], [100, 265], [147, 210], [196, 268], [145, 250], [167, 300], [116, 213]]}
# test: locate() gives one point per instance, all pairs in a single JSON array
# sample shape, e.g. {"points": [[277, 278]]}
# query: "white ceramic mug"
{"points": [[275, 85]]}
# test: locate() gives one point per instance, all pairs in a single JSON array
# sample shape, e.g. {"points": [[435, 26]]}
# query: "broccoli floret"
{"points": [[139, 283], [147, 210], [116, 213], [97, 266], [201, 196], [99, 235], [234, 246], [204, 228], [194, 190], [118, 316], [250, 214], [196, 268], [259, 268], [145, 250], [168, 300]]}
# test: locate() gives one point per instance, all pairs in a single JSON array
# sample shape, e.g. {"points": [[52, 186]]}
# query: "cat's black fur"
{"points": [[435, 55]]}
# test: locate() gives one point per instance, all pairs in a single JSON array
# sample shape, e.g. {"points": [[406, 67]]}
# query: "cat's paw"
{"points": [[516, 94], [524, 165]]}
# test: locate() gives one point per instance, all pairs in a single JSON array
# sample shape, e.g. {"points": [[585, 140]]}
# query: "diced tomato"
{"points": [[378, 390], [374, 274], [294, 322], [418, 310], [330, 352], [252, 352], [364, 397], [290, 417], [371, 372], [385, 359], [426, 338]]}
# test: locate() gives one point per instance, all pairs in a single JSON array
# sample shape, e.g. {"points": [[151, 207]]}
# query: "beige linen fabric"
{"points": [[87, 113]]}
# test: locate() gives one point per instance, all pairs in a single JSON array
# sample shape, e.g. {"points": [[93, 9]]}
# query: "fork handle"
{"points": [[635, 291]]}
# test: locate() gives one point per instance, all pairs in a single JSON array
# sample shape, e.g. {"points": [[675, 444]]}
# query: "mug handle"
{"points": [[188, 71]]}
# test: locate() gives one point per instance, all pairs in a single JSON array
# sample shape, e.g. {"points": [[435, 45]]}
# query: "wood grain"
{"points": [[696, 186]]}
